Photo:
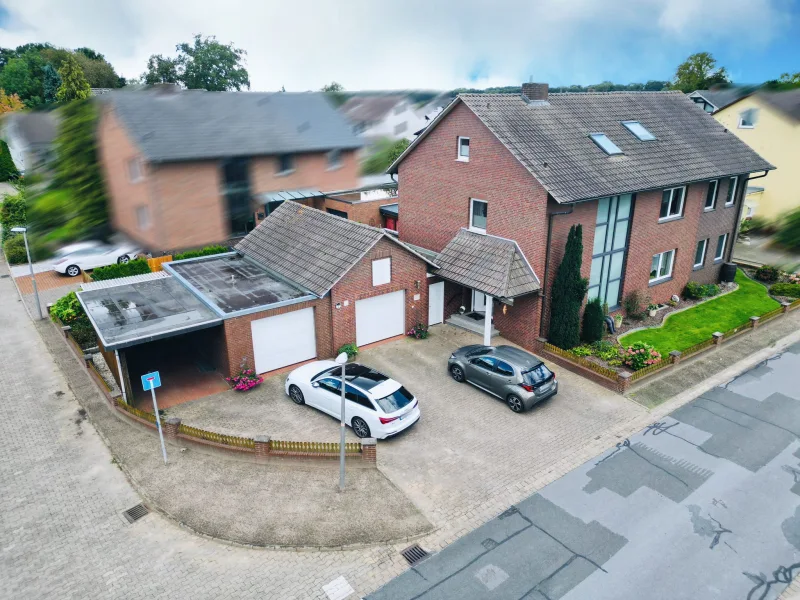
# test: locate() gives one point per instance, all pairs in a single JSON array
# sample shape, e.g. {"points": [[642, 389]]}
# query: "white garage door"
{"points": [[284, 340], [380, 317]]}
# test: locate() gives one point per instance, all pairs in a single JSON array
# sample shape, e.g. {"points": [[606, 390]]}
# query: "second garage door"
{"points": [[380, 317], [283, 340]]}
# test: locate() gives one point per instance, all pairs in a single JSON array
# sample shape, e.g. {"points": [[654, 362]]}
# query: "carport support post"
{"points": [[487, 321], [121, 378]]}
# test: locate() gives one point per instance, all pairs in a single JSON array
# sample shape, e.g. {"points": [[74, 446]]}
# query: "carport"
{"points": [[154, 323]]}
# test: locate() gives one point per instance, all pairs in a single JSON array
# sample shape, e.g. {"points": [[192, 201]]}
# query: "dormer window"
{"points": [[639, 131], [605, 143], [463, 149]]}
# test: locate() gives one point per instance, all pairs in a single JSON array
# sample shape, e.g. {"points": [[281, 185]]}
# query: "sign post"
{"points": [[150, 381]]}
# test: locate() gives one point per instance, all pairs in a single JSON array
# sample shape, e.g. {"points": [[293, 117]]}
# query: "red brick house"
{"points": [[185, 168], [298, 287], [656, 184]]}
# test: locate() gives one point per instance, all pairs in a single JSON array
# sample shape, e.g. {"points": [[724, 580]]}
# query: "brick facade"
{"points": [[335, 327], [436, 190], [183, 201]]}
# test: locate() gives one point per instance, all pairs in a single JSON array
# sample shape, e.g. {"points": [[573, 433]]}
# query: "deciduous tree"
{"points": [[699, 72], [51, 83], [161, 70], [209, 65], [9, 103]]}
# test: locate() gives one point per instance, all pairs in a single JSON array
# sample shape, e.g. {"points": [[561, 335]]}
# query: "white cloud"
{"points": [[371, 44]]}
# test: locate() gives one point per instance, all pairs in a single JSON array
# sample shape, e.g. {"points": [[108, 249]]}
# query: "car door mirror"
{"points": [[314, 384]]}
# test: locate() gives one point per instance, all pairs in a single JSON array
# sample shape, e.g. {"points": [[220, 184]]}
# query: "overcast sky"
{"points": [[434, 44]]}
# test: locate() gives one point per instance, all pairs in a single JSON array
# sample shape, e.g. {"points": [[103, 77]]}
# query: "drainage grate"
{"points": [[136, 513], [414, 554], [489, 544], [4, 276]]}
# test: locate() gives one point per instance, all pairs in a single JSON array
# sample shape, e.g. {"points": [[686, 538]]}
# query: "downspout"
{"points": [[735, 232], [547, 262]]}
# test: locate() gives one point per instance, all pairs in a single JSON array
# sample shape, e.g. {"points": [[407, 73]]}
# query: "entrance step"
{"points": [[470, 324]]}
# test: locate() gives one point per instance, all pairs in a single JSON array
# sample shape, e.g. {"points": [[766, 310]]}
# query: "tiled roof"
{"points": [[489, 264], [787, 102], [369, 108], [195, 124], [310, 247], [551, 139]]}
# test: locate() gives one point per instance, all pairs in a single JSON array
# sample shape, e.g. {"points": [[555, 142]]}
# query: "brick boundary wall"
{"points": [[171, 426]]}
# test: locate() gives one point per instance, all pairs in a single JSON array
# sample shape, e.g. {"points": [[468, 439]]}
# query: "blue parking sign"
{"points": [[151, 381]]}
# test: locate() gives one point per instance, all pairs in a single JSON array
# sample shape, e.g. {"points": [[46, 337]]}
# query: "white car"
{"points": [[73, 259], [375, 406]]}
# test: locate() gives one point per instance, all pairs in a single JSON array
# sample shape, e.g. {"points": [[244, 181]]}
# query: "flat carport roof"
{"points": [[135, 313]]}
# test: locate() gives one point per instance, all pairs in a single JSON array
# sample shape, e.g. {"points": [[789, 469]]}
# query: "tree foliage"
{"points": [[335, 92], [50, 83], [23, 76], [567, 294], [12, 213], [73, 82], [77, 167], [8, 170], [9, 102], [386, 152], [203, 64], [699, 72], [593, 318], [789, 231], [787, 81], [99, 73]]}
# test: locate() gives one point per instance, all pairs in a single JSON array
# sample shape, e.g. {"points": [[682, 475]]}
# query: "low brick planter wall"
{"points": [[621, 382], [260, 447]]}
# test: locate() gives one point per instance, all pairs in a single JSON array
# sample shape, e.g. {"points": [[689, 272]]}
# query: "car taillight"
{"points": [[385, 420], [526, 387]]}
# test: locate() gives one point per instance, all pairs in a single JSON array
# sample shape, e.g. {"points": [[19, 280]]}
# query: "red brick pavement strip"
{"points": [[45, 281]]}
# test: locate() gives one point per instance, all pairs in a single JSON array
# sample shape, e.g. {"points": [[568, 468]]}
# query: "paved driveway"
{"points": [[467, 448], [704, 504]]}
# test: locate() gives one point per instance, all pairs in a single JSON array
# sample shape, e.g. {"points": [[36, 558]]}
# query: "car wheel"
{"points": [[73, 270], [124, 259], [296, 395], [457, 373], [360, 427], [515, 403]]}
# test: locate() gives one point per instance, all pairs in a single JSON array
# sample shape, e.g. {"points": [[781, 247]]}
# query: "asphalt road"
{"points": [[705, 504]]}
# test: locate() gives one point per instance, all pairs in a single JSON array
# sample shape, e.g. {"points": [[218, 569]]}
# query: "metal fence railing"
{"points": [[218, 438]]}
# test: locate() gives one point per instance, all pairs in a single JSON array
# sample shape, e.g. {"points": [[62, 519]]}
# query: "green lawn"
{"points": [[685, 329]]}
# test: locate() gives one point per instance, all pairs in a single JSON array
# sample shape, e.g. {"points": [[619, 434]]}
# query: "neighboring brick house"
{"points": [[189, 168], [656, 184], [298, 287]]}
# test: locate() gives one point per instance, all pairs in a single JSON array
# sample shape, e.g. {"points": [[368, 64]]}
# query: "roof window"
{"points": [[639, 131], [602, 140]]}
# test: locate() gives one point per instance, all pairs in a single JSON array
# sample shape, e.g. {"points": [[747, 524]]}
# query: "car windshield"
{"points": [[398, 399], [537, 375], [327, 371]]}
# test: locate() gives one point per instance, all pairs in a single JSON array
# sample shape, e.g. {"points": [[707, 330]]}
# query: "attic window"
{"points": [[602, 140], [639, 131]]}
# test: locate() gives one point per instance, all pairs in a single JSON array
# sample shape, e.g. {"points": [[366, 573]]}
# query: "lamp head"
{"points": [[341, 359], [19, 229]]}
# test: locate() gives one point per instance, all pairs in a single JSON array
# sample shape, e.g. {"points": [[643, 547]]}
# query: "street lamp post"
{"points": [[342, 360], [24, 232]]}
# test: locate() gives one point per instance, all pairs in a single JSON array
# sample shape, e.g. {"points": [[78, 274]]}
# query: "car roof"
{"points": [[519, 357]]}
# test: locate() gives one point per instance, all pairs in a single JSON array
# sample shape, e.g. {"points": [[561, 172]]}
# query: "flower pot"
{"points": [[652, 313]]}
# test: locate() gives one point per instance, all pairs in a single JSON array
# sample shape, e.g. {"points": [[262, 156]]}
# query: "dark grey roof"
{"points": [[310, 247], [723, 97], [487, 263], [390, 210], [36, 128], [196, 125], [787, 102], [284, 195], [135, 313], [369, 108], [551, 139]]}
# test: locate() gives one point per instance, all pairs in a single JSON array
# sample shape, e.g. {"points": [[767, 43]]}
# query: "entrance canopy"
{"points": [[135, 313]]}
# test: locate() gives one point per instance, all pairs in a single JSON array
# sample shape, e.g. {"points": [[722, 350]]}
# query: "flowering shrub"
{"points": [[768, 273], [246, 379], [418, 331], [639, 355], [793, 278]]}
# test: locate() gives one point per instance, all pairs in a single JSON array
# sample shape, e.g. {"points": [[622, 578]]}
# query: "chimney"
{"points": [[535, 91]]}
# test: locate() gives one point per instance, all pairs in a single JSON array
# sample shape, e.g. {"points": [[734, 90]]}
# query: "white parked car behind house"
{"points": [[82, 256], [375, 406]]}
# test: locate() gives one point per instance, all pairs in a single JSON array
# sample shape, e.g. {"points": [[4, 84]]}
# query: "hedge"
{"points": [[69, 311], [8, 170], [207, 251], [134, 267], [790, 290], [12, 213], [15, 250]]}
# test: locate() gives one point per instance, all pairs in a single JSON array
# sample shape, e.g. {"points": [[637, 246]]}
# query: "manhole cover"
{"points": [[414, 554], [136, 513]]}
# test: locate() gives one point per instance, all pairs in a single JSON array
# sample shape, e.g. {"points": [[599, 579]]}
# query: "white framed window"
{"points": [[749, 211], [639, 130], [381, 271], [135, 174], [605, 143], [700, 254], [661, 267], [478, 212], [721, 243], [285, 164], [748, 118], [672, 203], [730, 199], [711, 195], [463, 149], [334, 159], [143, 218]]}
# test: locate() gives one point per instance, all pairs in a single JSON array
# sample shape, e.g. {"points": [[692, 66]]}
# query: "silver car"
{"points": [[511, 374]]}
